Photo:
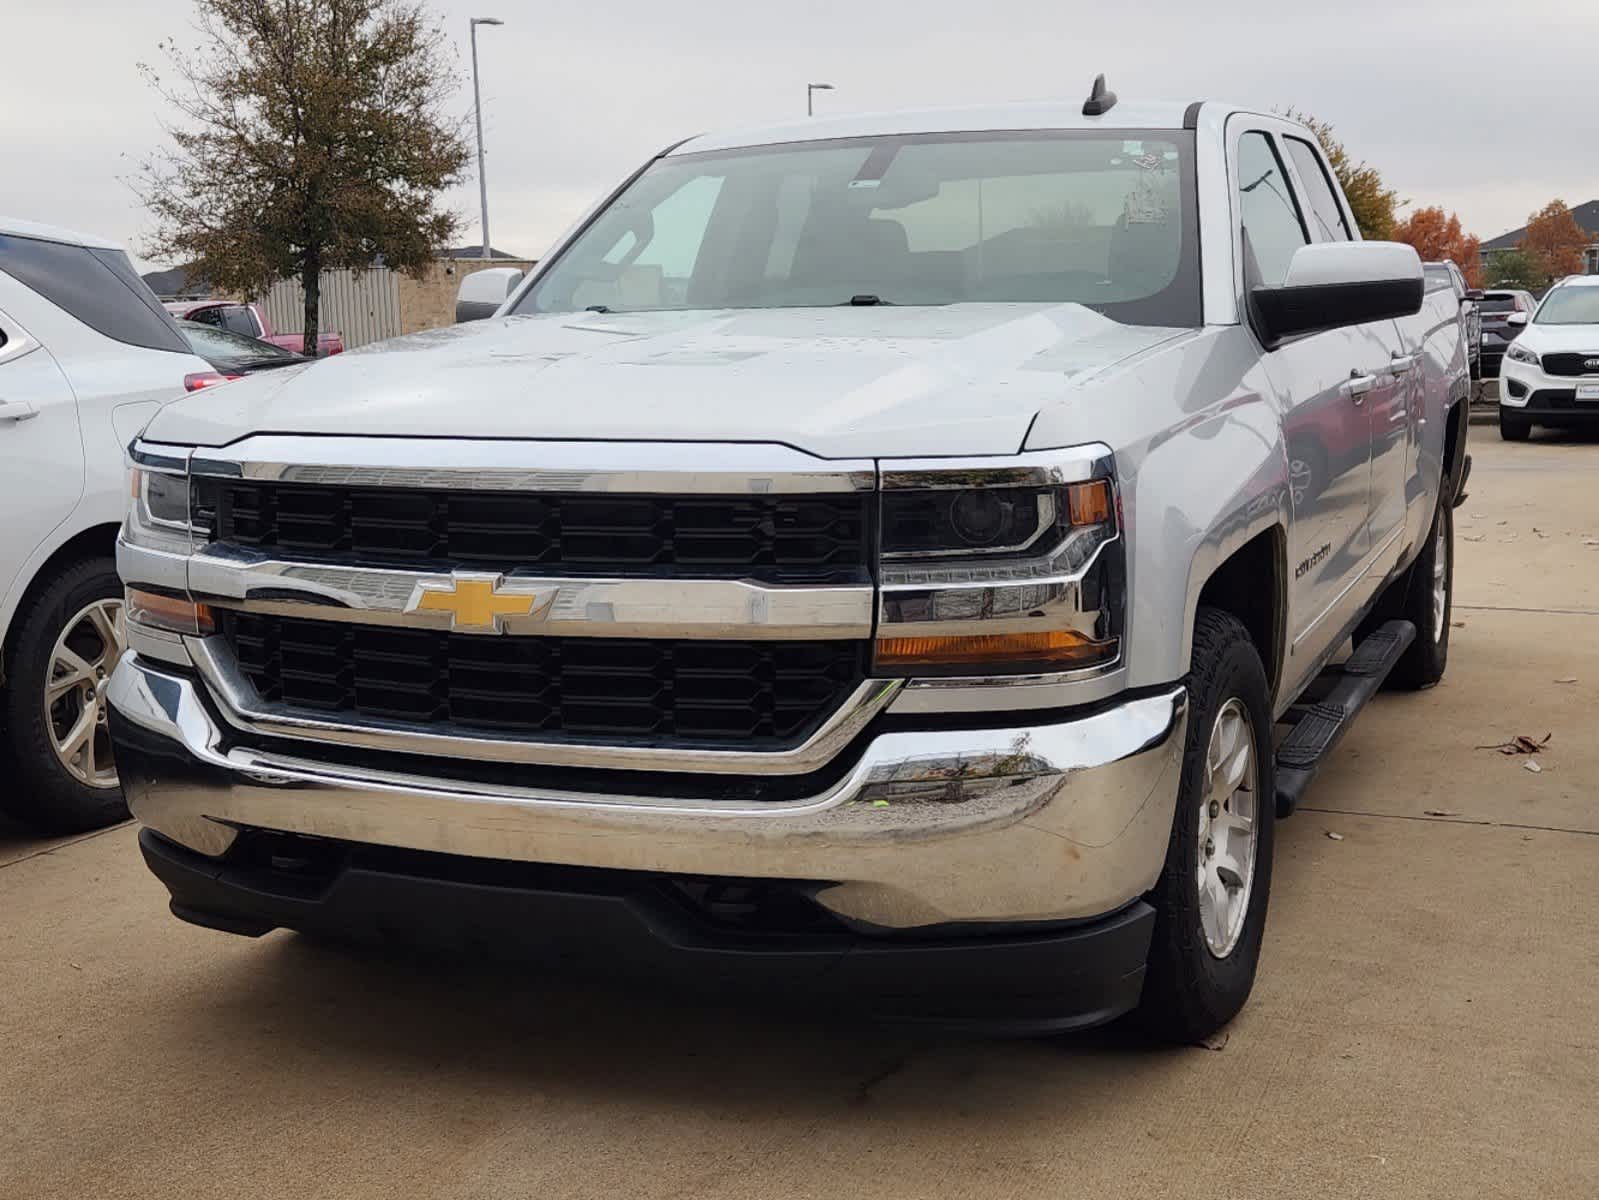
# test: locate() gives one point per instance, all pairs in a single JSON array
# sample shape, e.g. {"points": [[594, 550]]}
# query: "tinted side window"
{"points": [[1273, 229], [1324, 210], [239, 319], [208, 316], [98, 287]]}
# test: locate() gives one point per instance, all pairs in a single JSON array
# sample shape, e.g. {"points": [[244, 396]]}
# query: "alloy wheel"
{"points": [[1229, 809], [74, 692]]}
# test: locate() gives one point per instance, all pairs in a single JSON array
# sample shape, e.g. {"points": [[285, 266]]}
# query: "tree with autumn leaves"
{"points": [[1555, 239], [1437, 237]]}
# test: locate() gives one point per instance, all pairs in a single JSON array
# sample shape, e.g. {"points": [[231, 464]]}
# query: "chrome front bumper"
{"points": [[1044, 822]]}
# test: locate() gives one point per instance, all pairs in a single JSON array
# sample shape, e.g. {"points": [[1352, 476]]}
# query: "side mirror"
{"points": [[1516, 318], [1331, 285], [482, 292], [1474, 294]]}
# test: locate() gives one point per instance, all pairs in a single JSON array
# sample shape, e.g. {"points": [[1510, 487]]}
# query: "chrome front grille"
{"points": [[747, 694]]}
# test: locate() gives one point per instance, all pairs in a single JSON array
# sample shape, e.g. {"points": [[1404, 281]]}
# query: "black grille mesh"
{"points": [[820, 537], [745, 693], [1571, 365]]}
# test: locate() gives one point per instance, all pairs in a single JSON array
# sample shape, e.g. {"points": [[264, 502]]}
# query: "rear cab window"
{"points": [[96, 286], [1327, 217]]}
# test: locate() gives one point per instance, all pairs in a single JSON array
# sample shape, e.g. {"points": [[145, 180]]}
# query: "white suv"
{"points": [[1550, 375], [87, 356]]}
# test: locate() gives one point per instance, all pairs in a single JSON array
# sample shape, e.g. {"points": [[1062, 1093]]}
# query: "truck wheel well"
{"points": [[1251, 586], [88, 543], [1455, 440]]}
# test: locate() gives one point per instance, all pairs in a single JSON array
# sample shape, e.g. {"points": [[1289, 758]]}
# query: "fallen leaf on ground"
{"points": [[1442, 812], [1520, 744], [1215, 1041], [1567, 679], [1474, 537], [1532, 765], [1458, 624], [1337, 837]]}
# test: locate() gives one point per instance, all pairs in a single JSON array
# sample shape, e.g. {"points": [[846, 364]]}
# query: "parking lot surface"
{"points": [[1426, 1021]]}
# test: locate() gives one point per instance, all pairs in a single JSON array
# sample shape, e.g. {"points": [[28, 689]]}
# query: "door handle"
{"points": [[17, 411], [1357, 385], [1403, 363]]}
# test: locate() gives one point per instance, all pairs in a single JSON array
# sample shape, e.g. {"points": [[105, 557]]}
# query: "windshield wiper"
{"points": [[599, 308], [866, 300]]}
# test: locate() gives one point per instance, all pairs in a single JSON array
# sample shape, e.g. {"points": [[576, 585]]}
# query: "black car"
{"points": [[1497, 305], [232, 354]]}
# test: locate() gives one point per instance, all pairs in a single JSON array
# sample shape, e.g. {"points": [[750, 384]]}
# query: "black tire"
{"points": [[1190, 992], [1513, 429], [39, 792], [1412, 598]]}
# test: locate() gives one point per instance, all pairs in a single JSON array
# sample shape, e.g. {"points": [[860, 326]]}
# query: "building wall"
{"points": [[429, 302], [368, 306], [361, 307]]}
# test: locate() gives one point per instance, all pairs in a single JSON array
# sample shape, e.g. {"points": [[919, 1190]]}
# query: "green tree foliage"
{"points": [[311, 134], [1516, 269], [1373, 204]]}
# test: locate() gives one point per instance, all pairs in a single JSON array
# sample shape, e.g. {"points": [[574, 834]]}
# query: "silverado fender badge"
{"points": [[481, 603]]}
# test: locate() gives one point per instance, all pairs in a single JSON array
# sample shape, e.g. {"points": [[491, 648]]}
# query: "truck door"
{"points": [[1385, 370], [1324, 415]]}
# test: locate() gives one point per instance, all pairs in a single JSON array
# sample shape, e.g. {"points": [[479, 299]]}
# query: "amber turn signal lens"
{"points": [[168, 612], [1062, 649], [1090, 503]]}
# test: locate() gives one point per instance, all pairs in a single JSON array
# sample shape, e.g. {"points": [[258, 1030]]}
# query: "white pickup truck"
{"points": [[869, 555]]}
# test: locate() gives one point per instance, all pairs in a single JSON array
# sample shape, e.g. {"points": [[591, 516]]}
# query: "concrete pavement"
{"points": [[1426, 1022]]}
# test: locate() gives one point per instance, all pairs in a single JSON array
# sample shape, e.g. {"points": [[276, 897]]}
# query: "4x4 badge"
{"points": [[480, 603]]}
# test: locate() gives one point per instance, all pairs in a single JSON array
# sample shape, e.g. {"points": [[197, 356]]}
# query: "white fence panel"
{"points": [[362, 307]]}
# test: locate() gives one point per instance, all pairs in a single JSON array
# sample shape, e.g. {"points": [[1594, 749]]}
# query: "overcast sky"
{"points": [[1489, 107]]}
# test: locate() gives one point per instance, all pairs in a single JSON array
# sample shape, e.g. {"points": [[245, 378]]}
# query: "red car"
{"points": [[250, 320]]}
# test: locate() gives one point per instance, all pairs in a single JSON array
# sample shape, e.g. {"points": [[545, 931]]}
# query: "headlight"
{"points": [[993, 568], [158, 519], [158, 510], [1521, 354]]}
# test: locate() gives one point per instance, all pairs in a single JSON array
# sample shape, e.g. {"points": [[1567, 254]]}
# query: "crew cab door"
{"points": [[1390, 366], [1324, 406]]}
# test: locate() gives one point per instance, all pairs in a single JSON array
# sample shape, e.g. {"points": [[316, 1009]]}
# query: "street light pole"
{"points": [[477, 108], [810, 96]]}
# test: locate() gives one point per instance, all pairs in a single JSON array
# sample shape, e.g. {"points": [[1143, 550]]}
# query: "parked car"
{"points": [[250, 320], [1550, 374], [1447, 274], [87, 355], [232, 355], [1499, 306], [892, 600]]}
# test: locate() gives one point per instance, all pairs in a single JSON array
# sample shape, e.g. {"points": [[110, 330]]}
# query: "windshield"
{"points": [[1105, 220], [1570, 306], [223, 349]]}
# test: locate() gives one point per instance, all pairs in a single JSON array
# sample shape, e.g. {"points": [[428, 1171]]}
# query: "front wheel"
{"points": [[1210, 902], [54, 738]]}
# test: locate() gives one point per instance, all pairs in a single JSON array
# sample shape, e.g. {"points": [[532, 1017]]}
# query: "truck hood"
{"points": [[836, 382]]}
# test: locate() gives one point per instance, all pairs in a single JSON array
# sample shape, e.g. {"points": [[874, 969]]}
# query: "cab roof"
{"points": [[1026, 115]]}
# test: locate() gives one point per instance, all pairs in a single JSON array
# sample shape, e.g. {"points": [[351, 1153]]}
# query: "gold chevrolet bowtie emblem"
{"points": [[477, 603]]}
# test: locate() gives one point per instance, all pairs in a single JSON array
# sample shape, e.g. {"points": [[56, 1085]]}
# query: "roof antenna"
{"points": [[1100, 101]]}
